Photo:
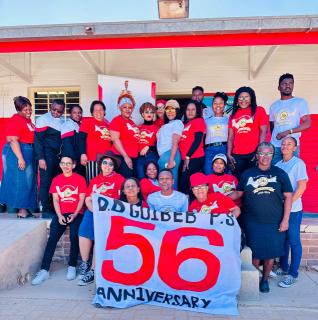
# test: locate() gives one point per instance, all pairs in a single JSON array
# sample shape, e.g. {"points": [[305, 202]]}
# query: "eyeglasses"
{"points": [[202, 186], [66, 164], [105, 162], [244, 99], [265, 154]]}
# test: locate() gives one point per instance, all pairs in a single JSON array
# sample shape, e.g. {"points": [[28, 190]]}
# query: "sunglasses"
{"points": [[105, 162], [202, 186], [265, 154]]}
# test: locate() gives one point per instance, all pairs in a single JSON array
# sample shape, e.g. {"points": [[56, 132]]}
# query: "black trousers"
{"points": [[46, 177], [243, 162], [56, 231], [124, 170], [195, 165]]}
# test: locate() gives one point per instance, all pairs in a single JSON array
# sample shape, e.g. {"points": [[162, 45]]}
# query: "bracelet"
{"points": [[291, 131]]}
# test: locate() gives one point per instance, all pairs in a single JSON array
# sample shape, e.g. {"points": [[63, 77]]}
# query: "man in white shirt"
{"points": [[167, 199], [287, 116]]}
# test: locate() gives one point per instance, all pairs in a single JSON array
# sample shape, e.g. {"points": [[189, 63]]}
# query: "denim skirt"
{"points": [[18, 187]]}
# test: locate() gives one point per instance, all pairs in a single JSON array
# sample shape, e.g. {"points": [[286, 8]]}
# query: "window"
{"points": [[42, 98]]}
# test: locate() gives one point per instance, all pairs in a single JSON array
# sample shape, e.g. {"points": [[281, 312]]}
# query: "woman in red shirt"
{"points": [[125, 136], [107, 183], [18, 186], [191, 144], [210, 202], [160, 106], [148, 138], [150, 184], [94, 138], [247, 128]]}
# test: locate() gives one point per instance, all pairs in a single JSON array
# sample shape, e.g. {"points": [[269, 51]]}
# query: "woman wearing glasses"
{"points": [[107, 183], [247, 128], [148, 138], [267, 203], [160, 111]]}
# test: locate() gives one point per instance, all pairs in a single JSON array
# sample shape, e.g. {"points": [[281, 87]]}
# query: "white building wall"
{"points": [[216, 69]]}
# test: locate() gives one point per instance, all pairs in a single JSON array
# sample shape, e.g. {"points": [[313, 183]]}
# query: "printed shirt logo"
{"points": [[105, 134], [134, 129], [185, 130], [209, 209], [285, 117], [242, 124], [31, 126], [67, 192], [145, 136], [103, 188], [261, 183], [224, 187]]}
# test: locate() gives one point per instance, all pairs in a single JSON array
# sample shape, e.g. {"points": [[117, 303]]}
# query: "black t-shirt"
{"points": [[263, 200]]}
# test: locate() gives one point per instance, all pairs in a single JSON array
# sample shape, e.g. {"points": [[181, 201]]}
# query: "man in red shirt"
{"points": [[210, 202], [68, 190]]}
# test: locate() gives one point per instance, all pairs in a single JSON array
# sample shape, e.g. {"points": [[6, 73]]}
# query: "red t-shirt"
{"points": [[20, 127], [98, 137], [187, 138], [108, 186], [147, 187], [226, 183], [148, 135], [68, 190], [215, 203], [129, 135], [246, 129], [159, 122]]}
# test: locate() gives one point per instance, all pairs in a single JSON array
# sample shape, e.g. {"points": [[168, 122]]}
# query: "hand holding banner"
{"points": [[182, 260]]}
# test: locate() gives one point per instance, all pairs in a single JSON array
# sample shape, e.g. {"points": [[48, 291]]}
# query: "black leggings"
{"points": [[56, 231]]}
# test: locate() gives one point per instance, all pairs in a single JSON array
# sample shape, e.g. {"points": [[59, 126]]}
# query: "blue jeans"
{"points": [[210, 153], [278, 154], [293, 242], [164, 158], [142, 160]]}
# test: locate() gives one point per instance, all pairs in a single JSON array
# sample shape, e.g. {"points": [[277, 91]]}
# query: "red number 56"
{"points": [[169, 260]]}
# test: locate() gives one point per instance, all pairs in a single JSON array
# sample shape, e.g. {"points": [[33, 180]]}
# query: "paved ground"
{"points": [[58, 299]]}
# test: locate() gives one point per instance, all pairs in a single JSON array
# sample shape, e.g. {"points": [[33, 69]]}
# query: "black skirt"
{"points": [[265, 241]]}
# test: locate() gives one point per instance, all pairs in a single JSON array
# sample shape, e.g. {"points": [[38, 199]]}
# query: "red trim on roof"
{"points": [[176, 41]]}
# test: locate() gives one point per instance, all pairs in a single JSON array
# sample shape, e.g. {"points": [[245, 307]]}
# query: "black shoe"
{"points": [[48, 215], [264, 286], [2, 208]]}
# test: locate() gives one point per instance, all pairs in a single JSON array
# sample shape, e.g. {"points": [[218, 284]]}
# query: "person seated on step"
{"points": [[68, 190]]}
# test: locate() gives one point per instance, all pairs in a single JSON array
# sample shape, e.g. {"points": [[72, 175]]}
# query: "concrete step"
{"points": [[250, 283], [246, 255], [22, 243]]}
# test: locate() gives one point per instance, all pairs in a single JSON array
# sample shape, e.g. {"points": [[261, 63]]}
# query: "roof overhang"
{"points": [[161, 34]]}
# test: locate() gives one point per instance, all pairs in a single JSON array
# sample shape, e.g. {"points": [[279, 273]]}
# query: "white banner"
{"points": [[180, 260]]}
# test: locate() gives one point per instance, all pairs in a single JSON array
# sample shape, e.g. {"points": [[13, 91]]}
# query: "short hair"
{"points": [[165, 170], [147, 105], [94, 103], [198, 88], [251, 92], [21, 102], [198, 110], [122, 194], [221, 95], [75, 106], [146, 165], [60, 102], [285, 76], [291, 138], [265, 145]]}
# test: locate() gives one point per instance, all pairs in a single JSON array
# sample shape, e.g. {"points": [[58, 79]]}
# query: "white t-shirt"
{"points": [[164, 142], [296, 170], [216, 129], [176, 202], [286, 115]]}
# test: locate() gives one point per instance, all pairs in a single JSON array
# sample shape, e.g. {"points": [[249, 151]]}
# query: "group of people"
{"points": [[198, 159]]}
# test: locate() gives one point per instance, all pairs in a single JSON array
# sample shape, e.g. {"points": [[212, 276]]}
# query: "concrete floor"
{"points": [[58, 298]]}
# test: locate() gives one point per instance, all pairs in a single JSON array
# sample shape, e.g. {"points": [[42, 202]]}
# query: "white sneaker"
{"points": [[40, 277], [71, 273], [287, 281], [280, 272]]}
